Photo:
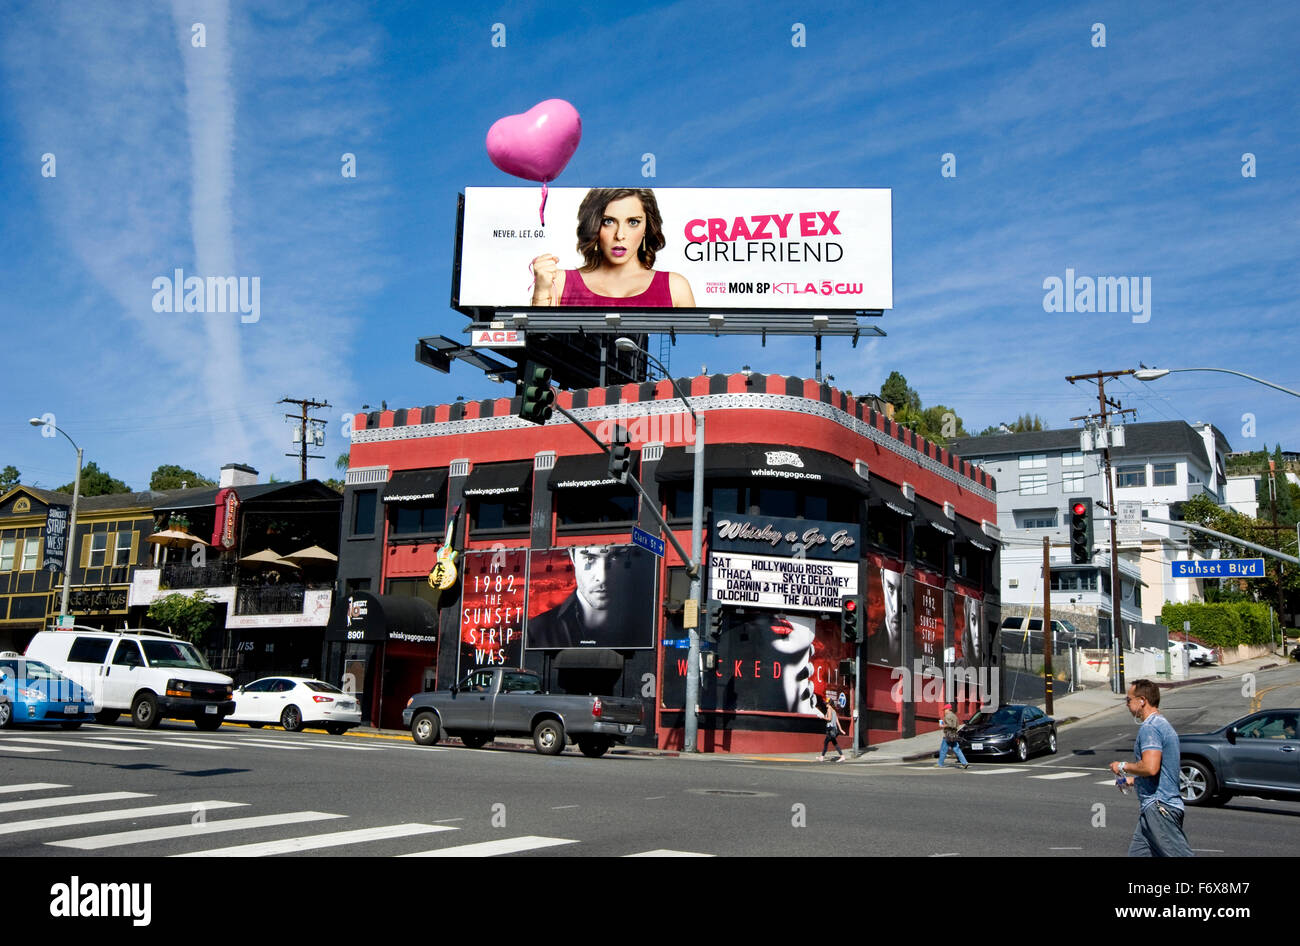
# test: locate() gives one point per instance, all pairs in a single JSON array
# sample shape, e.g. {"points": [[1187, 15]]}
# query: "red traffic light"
{"points": [[1079, 509], [851, 604]]}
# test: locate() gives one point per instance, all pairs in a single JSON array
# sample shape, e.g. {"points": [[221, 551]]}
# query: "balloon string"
{"points": [[541, 211]]}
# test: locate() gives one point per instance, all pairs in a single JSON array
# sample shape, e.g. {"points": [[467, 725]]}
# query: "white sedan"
{"points": [[295, 703]]}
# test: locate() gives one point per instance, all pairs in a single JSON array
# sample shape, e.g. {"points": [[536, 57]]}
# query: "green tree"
{"points": [[9, 477], [171, 476], [190, 616], [96, 482], [895, 391]]}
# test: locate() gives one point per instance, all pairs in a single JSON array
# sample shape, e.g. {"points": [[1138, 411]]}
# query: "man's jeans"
{"points": [[943, 751], [1159, 833]]}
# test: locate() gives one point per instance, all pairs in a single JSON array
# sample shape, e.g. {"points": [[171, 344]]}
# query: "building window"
{"points": [[1164, 474], [1072, 482], [413, 588], [7, 551], [578, 507], [496, 513], [98, 549], [1033, 461], [1033, 484], [363, 511], [1074, 580], [1039, 520], [1073, 459], [1129, 476], [413, 519], [122, 554], [31, 554]]}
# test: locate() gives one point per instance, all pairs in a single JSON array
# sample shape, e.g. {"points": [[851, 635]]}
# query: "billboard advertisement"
{"points": [[492, 609], [591, 596], [769, 662], [742, 249], [884, 627], [927, 627], [966, 612]]}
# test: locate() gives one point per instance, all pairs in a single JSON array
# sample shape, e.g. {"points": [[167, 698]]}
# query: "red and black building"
{"points": [[810, 495]]}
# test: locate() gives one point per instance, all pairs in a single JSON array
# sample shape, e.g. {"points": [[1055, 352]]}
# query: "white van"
{"points": [[152, 674]]}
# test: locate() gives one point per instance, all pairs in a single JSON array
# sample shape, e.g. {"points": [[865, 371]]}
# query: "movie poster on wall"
{"points": [[788, 249], [884, 625], [769, 662], [492, 609], [966, 610], [591, 596], [927, 627]]}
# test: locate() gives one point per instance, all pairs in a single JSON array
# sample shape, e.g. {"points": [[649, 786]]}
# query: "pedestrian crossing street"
{"points": [[191, 821], [35, 742]]}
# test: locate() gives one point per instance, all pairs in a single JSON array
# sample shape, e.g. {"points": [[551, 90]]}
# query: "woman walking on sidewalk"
{"points": [[950, 726], [833, 729]]}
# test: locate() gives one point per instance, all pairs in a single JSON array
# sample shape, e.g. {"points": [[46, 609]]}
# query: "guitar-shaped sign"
{"points": [[443, 575]]}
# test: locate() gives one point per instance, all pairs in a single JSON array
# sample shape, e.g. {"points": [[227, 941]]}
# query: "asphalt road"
{"points": [[118, 791]]}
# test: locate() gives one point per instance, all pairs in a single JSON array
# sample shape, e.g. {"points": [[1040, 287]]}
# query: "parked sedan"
{"points": [[1017, 731], [1257, 755], [34, 692], [296, 703], [1198, 655]]}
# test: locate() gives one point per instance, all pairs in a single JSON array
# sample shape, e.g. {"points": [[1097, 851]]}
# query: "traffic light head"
{"points": [[1080, 510], [620, 455], [535, 389], [714, 628], [850, 631]]}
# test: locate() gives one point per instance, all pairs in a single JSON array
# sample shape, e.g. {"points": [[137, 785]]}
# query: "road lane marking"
{"points": [[116, 814], [1060, 775], [562, 807], [493, 848], [999, 771], [96, 842], [30, 787], [69, 800], [318, 841], [179, 743], [69, 742], [23, 749], [267, 744], [665, 852]]}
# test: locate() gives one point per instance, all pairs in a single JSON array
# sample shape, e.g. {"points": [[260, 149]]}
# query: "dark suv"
{"points": [[1257, 755]]}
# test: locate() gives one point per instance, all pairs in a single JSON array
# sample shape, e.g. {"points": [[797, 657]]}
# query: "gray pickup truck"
{"points": [[509, 701]]}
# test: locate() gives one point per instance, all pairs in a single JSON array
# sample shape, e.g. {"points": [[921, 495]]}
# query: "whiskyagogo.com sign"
{"points": [[741, 249]]}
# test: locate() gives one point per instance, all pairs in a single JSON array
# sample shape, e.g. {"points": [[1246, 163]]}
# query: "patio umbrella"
{"points": [[312, 555], [266, 559], [175, 538]]}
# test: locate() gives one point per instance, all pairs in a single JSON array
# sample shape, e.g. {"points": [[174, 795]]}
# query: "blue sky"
{"points": [[1122, 160]]}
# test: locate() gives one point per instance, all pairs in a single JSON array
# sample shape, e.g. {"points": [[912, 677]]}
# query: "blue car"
{"points": [[33, 692]]}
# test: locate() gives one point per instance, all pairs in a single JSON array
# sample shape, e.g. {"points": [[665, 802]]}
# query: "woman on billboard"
{"points": [[619, 233]]}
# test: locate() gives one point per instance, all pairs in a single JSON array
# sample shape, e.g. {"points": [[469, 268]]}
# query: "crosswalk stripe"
{"points": [[181, 743], [493, 848], [320, 744], [69, 742], [980, 770], [665, 852], [1060, 775], [190, 830], [68, 800], [117, 814], [4, 748], [266, 743], [317, 841], [30, 787]]}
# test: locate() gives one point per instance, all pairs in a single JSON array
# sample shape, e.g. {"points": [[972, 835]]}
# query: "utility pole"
{"points": [[1116, 590], [302, 418], [1047, 624]]}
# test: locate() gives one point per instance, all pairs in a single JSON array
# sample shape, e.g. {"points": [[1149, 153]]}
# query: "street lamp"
{"points": [[1153, 374], [70, 544], [697, 540]]}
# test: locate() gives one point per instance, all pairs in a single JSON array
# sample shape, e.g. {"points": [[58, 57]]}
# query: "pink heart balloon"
{"points": [[538, 144]]}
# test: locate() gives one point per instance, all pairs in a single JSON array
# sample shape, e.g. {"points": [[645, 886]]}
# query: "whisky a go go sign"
{"points": [[443, 574]]}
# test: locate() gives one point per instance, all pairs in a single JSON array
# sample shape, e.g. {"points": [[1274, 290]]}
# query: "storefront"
{"points": [[810, 496]]}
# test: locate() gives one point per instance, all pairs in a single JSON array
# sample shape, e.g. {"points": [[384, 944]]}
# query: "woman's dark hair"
{"points": [[592, 211]]}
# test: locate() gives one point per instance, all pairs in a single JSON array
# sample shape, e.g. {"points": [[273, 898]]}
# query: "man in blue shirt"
{"points": [[1154, 774]]}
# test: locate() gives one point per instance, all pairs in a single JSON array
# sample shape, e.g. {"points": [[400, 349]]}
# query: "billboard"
{"points": [[591, 596], [813, 567], [492, 609], [884, 626], [927, 626], [719, 249]]}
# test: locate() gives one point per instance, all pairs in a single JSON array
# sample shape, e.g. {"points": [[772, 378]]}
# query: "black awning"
{"points": [[362, 616], [932, 514], [499, 479], [413, 486], [773, 464], [581, 658], [588, 471], [973, 534], [887, 494]]}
